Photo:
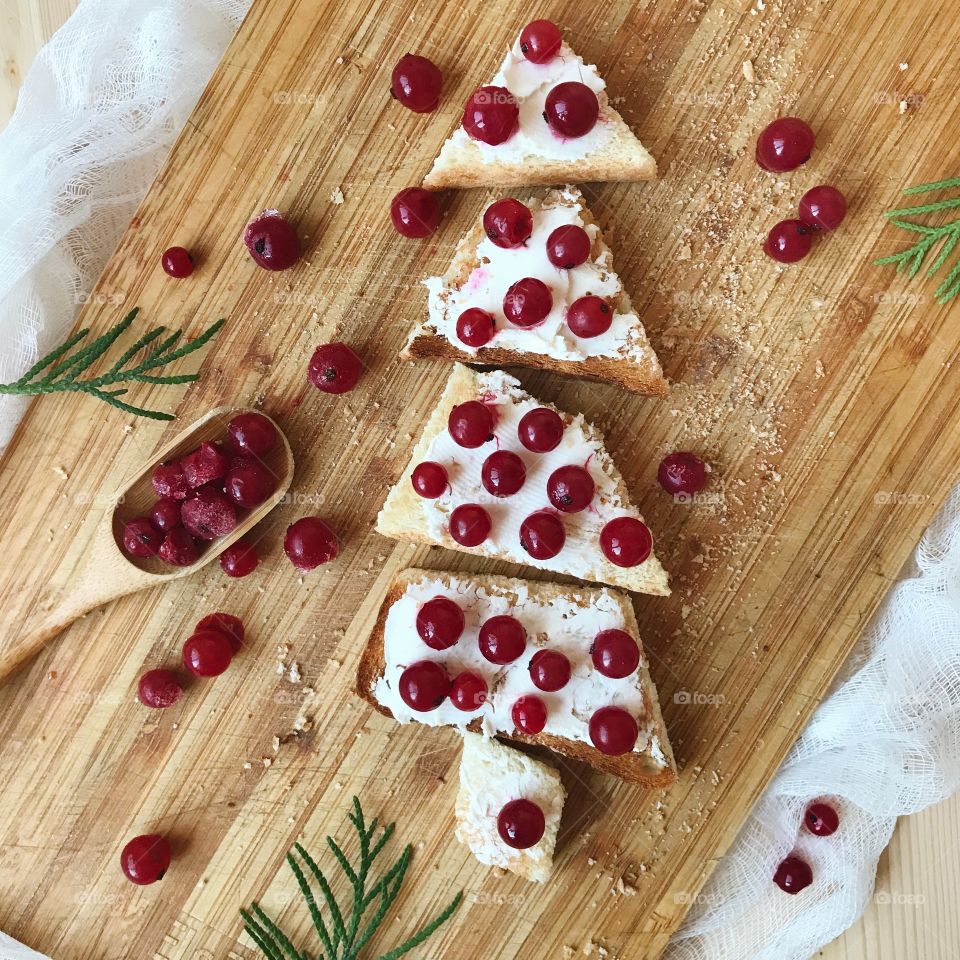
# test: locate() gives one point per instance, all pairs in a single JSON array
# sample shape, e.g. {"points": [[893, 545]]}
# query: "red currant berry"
{"points": [[508, 223], [416, 83], [207, 654], [468, 691], [423, 686], [471, 424], [145, 859], [476, 327], [470, 525], [613, 731], [784, 144], [415, 213], [821, 819], [502, 639], [240, 559], [272, 242], [252, 434], [440, 623], [249, 482], [309, 543], [141, 538], [165, 514], [568, 246], [615, 653], [793, 875], [177, 262], [540, 41], [589, 317], [429, 479], [169, 481], [503, 473], [159, 689], [570, 489], [571, 109], [204, 465], [208, 513], [549, 670], [529, 714], [788, 241], [334, 368], [823, 208], [542, 535], [227, 624], [682, 472], [626, 542], [521, 824], [491, 115], [527, 302], [540, 430], [178, 548]]}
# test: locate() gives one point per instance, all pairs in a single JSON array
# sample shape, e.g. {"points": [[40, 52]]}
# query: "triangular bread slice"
{"points": [[480, 275], [408, 516], [534, 154]]}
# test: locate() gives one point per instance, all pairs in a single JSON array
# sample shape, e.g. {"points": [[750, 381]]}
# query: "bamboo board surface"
{"points": [[773, 579]]}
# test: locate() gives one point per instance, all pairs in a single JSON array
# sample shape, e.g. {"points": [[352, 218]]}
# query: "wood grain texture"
{"points": [[775, 577]]}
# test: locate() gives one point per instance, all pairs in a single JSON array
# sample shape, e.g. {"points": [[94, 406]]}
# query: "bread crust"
{"points": [[633, 767]]}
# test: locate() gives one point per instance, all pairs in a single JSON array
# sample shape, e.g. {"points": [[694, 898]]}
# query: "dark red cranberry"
{"points": [[249, 482], [491, 115], [141, 538], [788, 241], [145, 859], [334, 368], [540, 430], [159, 689], [527, 302], [178, 548], [626, 542], [272, 242], [823, 207], [470, 525], [793, 875], [589, 317], [468, 691], [476, 327], [423, 686], [613, 731], [570, 489], [568, 246], [309, 543], [503, 473], [615, 653], [251, 434], [416, 83], [521, 824], [207, 654], [440, 623], [429, 479], [542, 535], [682, 472], [821, 819], [508, 223], [169, 481], [227, 624], [502, 639], [549, 670], [208, 513], [204, 465], [165, 514], [415, 213], [784, 144], [529, 714], [177, 262], [471, 424], [571, 109], [540, 41], [240, 559]]}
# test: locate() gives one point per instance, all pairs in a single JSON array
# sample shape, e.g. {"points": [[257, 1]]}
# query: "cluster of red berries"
{"points": [[784, 145], [794, 873]]}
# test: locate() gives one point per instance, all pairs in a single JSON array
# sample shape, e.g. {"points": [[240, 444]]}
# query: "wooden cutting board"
{"points": [[823, 395]]}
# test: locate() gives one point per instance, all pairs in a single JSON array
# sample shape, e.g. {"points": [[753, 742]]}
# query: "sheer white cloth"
{"points": [[98, 113]]}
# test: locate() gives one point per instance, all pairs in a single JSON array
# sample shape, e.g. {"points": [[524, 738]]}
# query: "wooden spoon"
{"points": [[106, 572]]}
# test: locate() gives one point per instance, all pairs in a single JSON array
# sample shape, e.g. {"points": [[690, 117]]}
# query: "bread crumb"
{"points": [[337, 196], [748, 73]]}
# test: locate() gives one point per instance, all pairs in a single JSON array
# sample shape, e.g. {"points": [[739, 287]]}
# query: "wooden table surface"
{"points": [[914, 915]]}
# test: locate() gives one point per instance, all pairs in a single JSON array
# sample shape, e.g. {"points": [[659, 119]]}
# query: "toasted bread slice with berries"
{"points": [[493, 775], [524, 527], [481, 275], [533, 154], [556, 618]]}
